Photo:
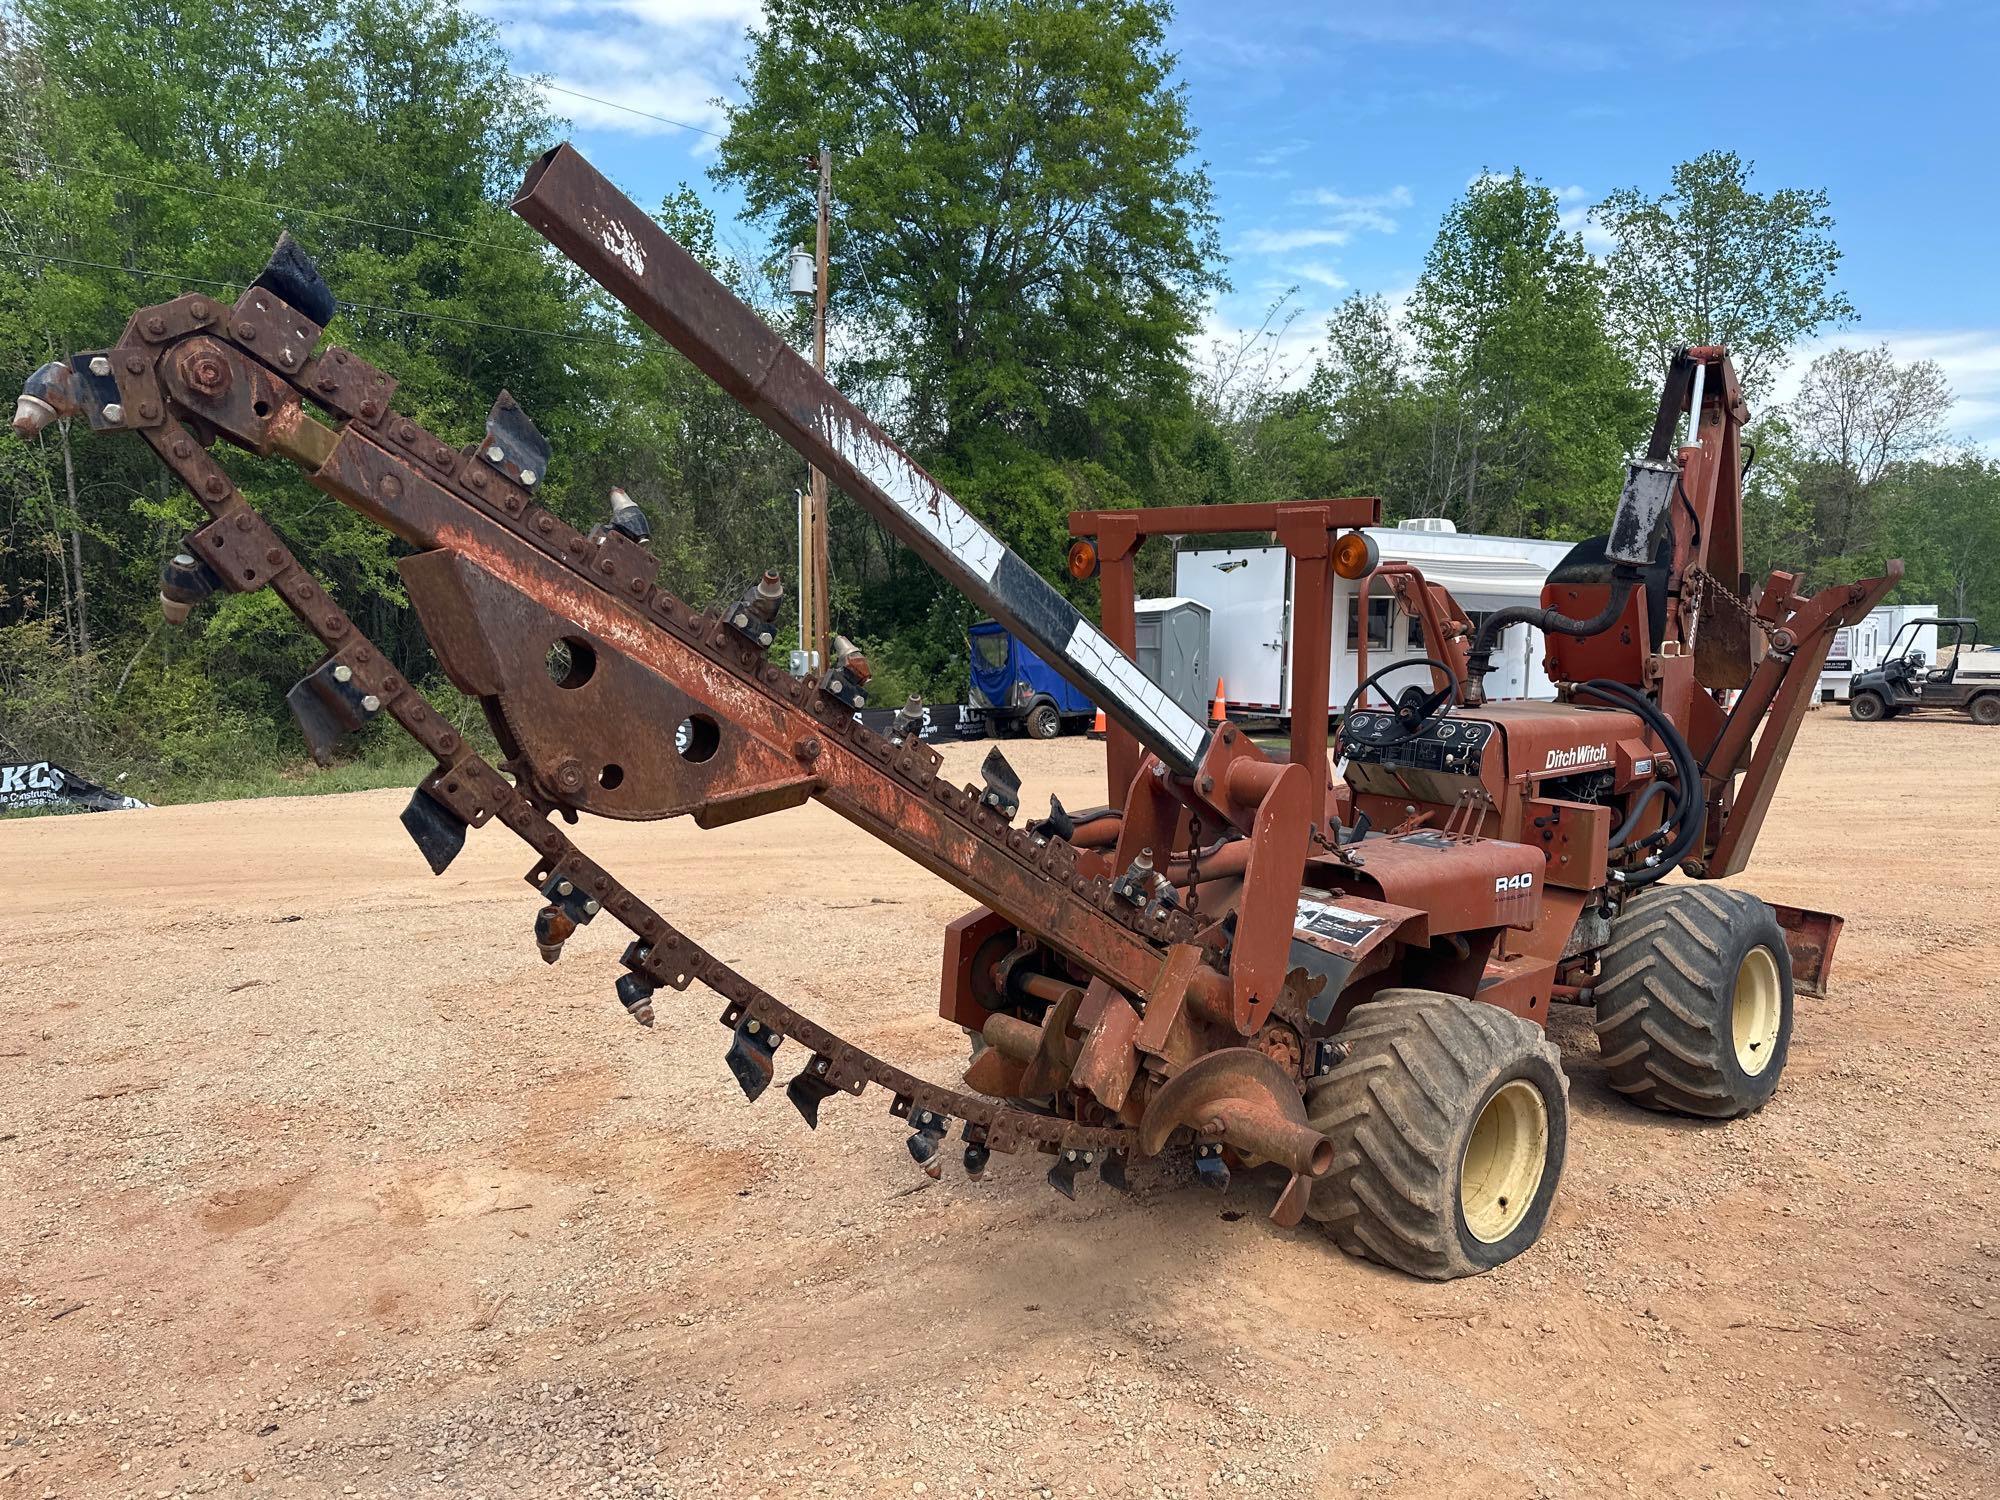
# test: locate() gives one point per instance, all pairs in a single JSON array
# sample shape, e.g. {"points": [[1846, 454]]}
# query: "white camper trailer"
{"points": [[1249, 594], [1859, 647]]}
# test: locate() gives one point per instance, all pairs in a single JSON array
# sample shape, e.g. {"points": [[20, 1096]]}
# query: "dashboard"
{"points": [[1456, 747]]}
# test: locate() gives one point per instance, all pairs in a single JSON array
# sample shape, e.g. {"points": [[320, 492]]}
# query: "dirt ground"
{"points": [[315, 1180]]}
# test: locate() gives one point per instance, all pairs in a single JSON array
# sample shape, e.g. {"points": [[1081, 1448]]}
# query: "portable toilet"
{"points": [[1171, 636]]}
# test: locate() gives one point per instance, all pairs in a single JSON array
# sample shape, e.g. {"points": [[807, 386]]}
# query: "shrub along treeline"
{"points": [[1026, 242]]}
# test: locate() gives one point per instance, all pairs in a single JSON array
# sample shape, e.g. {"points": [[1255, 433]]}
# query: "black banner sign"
{"points": [[42, 784]]}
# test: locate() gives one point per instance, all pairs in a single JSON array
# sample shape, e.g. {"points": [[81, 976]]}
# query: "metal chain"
{"points": [[1698, 575]]}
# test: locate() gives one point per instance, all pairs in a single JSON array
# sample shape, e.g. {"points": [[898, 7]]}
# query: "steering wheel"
{"points": [[1409, 711]]}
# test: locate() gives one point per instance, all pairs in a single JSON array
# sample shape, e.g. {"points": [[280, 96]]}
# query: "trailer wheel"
{"points": [[1867, 707], [1694, 1014], [1044, 722], [1985, 709], [1449, 1120]]}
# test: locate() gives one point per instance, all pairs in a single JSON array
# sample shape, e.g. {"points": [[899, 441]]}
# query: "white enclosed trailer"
{"points": [[1249, 593], [1860, 647]]}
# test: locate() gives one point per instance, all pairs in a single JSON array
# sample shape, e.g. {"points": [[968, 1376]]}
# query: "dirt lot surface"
{"points": [[314, 1180]]}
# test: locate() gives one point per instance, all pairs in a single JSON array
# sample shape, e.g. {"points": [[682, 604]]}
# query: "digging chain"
{"points": [[244, 551]]}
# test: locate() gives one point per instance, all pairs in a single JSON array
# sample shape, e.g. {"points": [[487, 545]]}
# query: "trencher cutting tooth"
{"points": [[749, 1056], [810, 1089], [1210, 1168], [1070, 1161], [926, 1142]]}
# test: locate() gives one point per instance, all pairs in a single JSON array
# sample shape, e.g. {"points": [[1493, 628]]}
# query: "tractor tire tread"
{"points": [[1396, 1109], [1664, 1008]]}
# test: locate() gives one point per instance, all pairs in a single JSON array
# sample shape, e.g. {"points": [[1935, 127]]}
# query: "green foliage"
{"points": [[1712, 262], [1024, 244], [1015, 209], [1502, 404], [1021, 249], [161, 149]]}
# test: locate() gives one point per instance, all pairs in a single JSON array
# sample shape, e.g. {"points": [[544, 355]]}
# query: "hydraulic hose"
{"points": [[1551, 621], [1692, 811], [1646, 799]]}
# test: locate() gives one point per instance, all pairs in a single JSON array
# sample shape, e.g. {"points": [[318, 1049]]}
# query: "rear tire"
{"points": [[1985, 709], [1867, 707], [1044, 723], [1694, 1013], [1449, 1121]]}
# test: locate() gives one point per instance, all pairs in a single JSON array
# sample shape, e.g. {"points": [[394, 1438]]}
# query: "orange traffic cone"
{"points": [[1097, 726], [1221, 709]]}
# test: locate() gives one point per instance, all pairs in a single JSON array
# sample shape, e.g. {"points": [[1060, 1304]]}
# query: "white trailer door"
{"points": [[1248, 594]]}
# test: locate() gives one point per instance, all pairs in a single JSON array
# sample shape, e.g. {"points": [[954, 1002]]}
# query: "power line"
{"points": [[396, 312], [644, 114], [52, 164]]}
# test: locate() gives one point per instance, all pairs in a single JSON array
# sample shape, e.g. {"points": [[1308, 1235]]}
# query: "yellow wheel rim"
{"points": [[1757, 1010], [1504, 1160]]}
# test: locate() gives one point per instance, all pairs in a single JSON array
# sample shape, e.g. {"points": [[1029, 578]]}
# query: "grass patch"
{"points": [[299, 778]]}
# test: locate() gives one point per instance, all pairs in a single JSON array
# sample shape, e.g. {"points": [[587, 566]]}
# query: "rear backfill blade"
{"points": [[438, 832]]}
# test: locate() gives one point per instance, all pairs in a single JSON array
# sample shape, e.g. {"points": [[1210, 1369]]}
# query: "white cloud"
{"points": [[1284, 241], [1397, 197], [1370, 212], [1573, 204], [1319, 273], [670, 59], [1344, 217], [1970, 359]]}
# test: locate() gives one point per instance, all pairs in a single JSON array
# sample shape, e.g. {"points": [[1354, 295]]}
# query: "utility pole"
{"points": [[817, 530]]}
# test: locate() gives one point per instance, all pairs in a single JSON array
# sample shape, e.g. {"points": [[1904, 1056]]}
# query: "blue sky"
{"points": [[1337, 135]]}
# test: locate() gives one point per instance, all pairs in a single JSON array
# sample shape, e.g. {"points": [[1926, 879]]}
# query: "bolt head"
{"points": [[371, 704], [564, 889], [113, 412], [528, 477], [591, 908], [343, 673], [100, 366]]}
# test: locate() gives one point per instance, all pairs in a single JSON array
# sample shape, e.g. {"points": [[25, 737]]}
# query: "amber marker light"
{"points": [[1355, 555], [1082, 560]]}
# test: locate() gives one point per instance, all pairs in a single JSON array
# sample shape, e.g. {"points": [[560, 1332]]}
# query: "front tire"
{"points": [[1694, 1012], [1867, 707], [1044, 723], [1449, 1120]]}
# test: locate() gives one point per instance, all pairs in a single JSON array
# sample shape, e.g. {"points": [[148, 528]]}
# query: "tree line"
{"points": [[1025, 243]]}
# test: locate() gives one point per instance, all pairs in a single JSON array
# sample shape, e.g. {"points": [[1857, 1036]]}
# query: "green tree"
{"points": [[1859, 419], [1710, 261], [1020, 239], [1944, 520], [1528, 407], [160, 149]]}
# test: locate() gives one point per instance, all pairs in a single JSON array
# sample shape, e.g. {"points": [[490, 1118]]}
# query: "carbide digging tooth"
{"points": [[749, 1056], [635, 993], [553, 927], [977, 1154], [926, 1142], [1069, 1162], [810, 1089], [1210, 1168], [1113, 1171]]}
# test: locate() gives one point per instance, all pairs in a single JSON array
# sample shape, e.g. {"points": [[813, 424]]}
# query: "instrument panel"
{"points": [[1456, 747]]}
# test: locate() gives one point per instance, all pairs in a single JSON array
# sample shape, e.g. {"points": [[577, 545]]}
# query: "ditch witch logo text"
{"points": [[1582, 755]]}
